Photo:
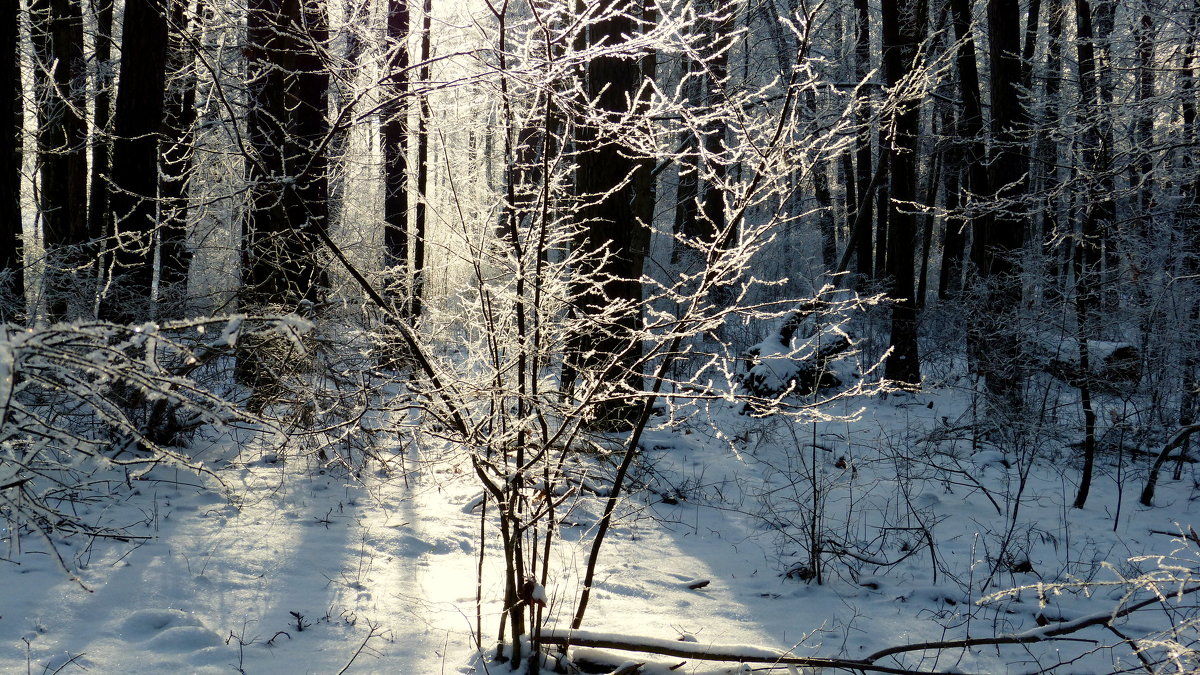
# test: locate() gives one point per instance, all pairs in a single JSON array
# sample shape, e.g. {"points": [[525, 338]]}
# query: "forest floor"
{"points": [[295, 568]]}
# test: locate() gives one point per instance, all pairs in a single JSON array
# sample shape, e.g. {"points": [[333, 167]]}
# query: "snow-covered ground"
{"points": [[294, 568]]}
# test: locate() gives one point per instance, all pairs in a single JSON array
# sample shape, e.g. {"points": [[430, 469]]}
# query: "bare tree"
{"points": [[903, 27], [56, 32], [12, 261], [137, 125]]}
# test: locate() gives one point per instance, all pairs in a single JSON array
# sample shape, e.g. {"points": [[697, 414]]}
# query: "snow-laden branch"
{"points": [[708, 652]]}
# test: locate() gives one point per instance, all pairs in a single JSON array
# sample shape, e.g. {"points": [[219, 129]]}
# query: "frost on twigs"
{"points": [[87, 408], [1129, 605]]}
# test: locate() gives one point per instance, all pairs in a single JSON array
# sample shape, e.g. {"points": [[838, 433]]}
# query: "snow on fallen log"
{"points": [[800, 357], [1111, 364], [701, 651]]}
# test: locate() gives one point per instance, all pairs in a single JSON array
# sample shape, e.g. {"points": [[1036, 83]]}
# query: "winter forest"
{"points": [[599, 336]]}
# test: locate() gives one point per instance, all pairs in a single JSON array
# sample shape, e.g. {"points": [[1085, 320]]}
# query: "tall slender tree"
{"points": [[903, 25], [865, 177], [423, 115], [394, 137], [971, 141], [12, 251], [101, 138], [687, 186], [60, 85], [179, 122], [1000, 233], [1087, 259], [137, 127]]}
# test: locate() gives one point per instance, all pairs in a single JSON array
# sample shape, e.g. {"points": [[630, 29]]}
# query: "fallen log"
{"points": [[1051, 631], [1113, 366], [708, 652], [1176, 441]]}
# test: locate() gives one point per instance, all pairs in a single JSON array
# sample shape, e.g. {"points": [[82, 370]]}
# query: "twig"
{"points": [[372, 632]]}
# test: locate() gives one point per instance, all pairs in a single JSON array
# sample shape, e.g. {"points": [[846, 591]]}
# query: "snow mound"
{"points": [[184, 639], [146, 623]]}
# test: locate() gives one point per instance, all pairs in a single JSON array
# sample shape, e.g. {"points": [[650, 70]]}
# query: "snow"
{"points": [[291, 565]]}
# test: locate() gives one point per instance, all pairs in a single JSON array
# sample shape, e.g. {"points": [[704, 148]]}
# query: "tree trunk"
{"points": [[883, 199], [1046, 149], [178, 142], [56, 32], [286, 123], [418, 243], [1103, 20], [1189, 222], [931, 188], [716, 227], [395, 152], [954, 239], [608, 225], [862, 142], [1030, 48], [687, 186], [820, 178], [999, 237], [99, 218], [343, 91], [903, 25], [1087, 259], [645, 191], [12, 251], [137, 125]]}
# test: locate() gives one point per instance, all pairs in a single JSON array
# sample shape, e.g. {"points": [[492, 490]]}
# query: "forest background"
{"points": [[533, 235]]}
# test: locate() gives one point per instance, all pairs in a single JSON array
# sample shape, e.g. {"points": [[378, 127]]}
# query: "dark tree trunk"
{"points": [[56, 32], [687, 188], [395, 151], [343, 91], [608, 224], [99, 223], [1003, 236], [1031, 35], [12, 251], [178, 142], [721, 28], [418, 243], [1046, 150], [1189, 221], [970, 125], [137, 124], [1087, 259], [931, 188], [1143, 181], [998, 238], [287, 123], [824, 199], [883, 197], [953, 238], [863, 218], [903, 27], [308, 198], [645, 195], [715, 226]]}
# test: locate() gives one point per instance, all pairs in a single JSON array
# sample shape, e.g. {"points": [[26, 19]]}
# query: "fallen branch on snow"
{"points": [[752, 654], [1176, 441], [708, 652]]}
